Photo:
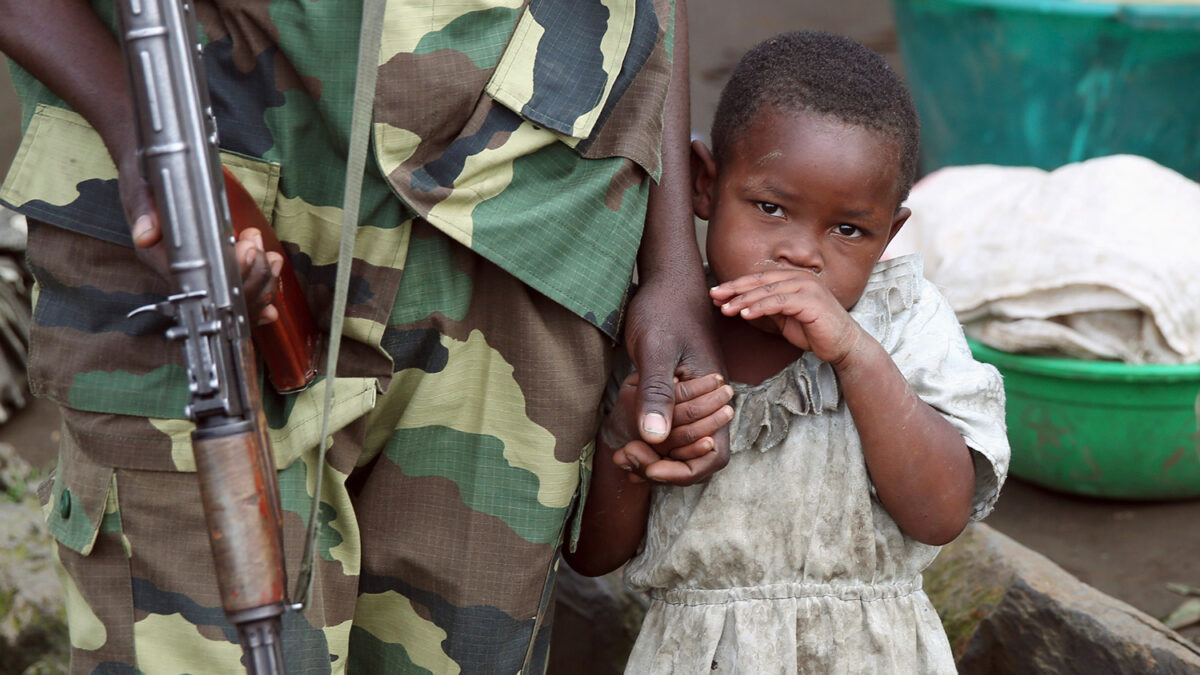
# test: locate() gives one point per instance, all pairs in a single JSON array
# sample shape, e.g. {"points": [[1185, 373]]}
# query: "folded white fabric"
{"points": [[1098, 259]]}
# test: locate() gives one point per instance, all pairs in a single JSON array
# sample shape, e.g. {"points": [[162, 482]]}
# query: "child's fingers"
{"points": [[701, 406], [693, 450], [686, 472], [800, 285], [782, 303], [686, 390], [730, 289], [634, 457], [696, 432]]}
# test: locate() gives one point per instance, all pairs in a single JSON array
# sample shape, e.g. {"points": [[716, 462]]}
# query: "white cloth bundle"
{"points": [[1099, 259]]}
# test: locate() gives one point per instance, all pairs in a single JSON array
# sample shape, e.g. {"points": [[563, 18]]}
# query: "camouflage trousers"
{"points": [[443, 505]]}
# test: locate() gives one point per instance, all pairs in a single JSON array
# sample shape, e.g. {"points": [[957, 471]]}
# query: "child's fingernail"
{"points": [[654, 424], [276, 267], [745, 311]]}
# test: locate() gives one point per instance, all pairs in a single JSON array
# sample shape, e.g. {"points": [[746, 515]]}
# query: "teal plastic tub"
{"points": [[1048, 82], [1101, 428]]}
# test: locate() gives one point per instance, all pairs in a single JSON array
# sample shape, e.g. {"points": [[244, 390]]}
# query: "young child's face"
{"points": [[800, 190]]}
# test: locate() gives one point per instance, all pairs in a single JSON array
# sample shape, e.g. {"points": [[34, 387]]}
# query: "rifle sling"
{"points": [[360, 129]]}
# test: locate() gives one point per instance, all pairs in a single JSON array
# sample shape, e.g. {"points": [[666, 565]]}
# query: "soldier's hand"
{"points": [[138, 202], [260, 275]]}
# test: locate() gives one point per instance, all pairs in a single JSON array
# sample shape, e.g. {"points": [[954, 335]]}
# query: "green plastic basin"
{"points": [[1048, 82], [1101, 428]]}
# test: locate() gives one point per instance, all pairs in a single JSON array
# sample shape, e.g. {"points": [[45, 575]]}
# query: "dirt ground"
{"points": [[1126, 549]]}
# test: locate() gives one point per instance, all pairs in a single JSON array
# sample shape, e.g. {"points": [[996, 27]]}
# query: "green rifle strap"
{"points": [[360, 131]]}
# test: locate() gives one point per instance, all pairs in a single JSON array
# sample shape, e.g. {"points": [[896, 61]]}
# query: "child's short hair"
{"points": [[823, 73]]}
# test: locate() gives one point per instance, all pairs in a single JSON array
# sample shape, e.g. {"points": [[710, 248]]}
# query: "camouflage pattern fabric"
{"points": [[443, 504], [513, 146], [483, 111]]}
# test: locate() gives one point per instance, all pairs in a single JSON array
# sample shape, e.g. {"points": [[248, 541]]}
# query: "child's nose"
{"points": [[800, 249]]}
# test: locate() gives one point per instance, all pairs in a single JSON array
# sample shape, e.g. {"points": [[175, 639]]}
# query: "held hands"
{"points": [[799, 304], [701, 410], [669, 336]]}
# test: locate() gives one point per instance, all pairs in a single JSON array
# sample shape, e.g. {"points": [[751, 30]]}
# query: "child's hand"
{"points": [[701, 410], [798, 303]]}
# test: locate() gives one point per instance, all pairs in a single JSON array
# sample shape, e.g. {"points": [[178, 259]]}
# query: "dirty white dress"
{"points": [[784, 561]]}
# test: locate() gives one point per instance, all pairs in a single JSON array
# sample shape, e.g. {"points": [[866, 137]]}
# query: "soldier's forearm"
{"points": [[669, 240], [68, 48]]}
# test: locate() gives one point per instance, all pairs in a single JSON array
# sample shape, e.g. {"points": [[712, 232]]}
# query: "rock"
{"points": [[33, 633], [1007, 609]]}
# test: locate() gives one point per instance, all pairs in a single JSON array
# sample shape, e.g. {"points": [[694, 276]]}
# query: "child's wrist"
{"points": [[610, 437], [863, 356]]}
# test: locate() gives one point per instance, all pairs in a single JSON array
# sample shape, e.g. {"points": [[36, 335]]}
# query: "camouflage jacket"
{"points": [[528, 130]]}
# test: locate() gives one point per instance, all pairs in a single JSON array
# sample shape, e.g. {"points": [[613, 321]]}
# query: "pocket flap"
{"points": [[62, 174], [79, 497], [562, 61]]}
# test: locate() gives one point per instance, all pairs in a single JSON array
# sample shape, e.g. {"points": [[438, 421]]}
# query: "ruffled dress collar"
{"points": [[808, 386]]}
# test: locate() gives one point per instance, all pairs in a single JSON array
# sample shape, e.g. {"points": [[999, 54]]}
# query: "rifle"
{"points": [[234, 464]]}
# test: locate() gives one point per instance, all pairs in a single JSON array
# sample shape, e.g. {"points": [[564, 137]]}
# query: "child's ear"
{"points": [[704, 178], [898, 221]]}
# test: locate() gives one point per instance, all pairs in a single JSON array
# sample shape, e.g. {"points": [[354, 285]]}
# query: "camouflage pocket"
{"points": [[63, 175], [78, 496], [562, 62]]}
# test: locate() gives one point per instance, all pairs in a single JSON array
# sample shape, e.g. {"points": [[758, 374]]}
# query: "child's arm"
{"points": [[920, 465], [618, 500]]}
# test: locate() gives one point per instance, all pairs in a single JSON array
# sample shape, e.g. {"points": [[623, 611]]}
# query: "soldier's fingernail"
{"points": [[141, 228], [654, 424]]}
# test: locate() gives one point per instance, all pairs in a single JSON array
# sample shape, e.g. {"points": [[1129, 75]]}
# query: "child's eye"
{"points": [[770, 209], [849, 230]]}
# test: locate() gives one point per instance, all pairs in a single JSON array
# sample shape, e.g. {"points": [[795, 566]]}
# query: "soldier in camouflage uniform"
{"points": [[515, 159]]}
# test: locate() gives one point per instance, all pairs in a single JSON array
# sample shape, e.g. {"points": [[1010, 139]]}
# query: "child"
{"points": [[865, 436]]}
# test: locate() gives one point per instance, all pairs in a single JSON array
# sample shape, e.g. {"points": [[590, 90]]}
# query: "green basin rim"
{"points": [[1110, 371], [1081, 8]]}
